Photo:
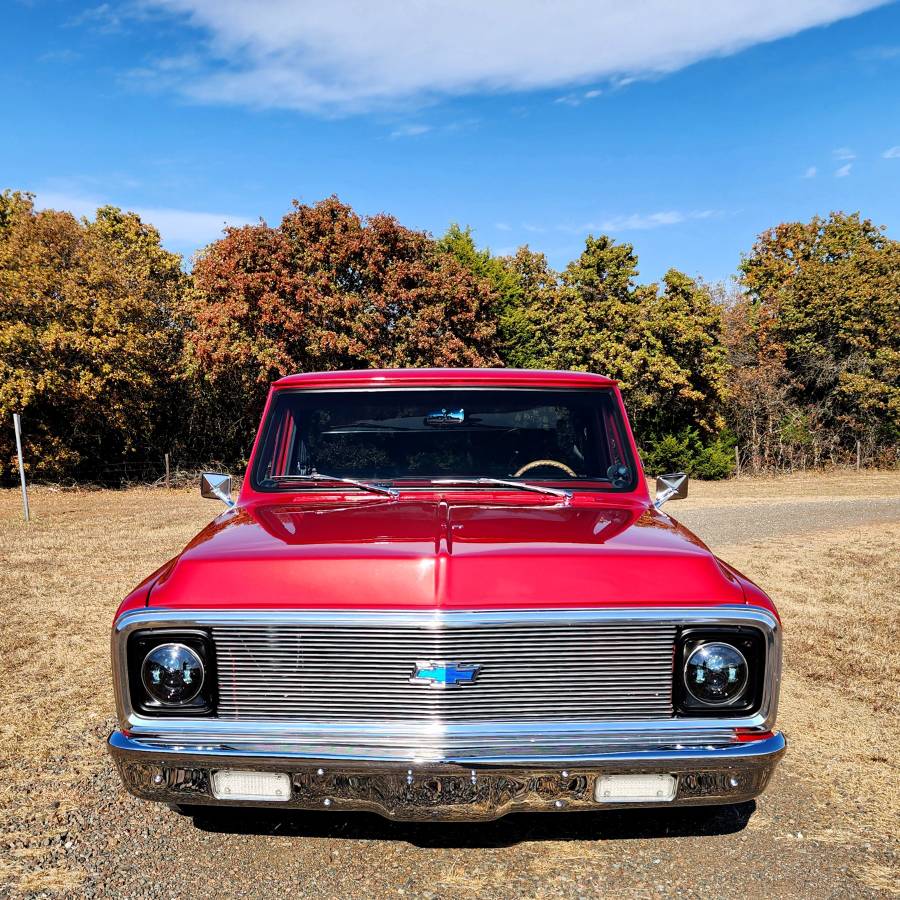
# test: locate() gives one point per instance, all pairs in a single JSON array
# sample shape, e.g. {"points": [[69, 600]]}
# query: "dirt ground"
{"points": [[827, 548]]}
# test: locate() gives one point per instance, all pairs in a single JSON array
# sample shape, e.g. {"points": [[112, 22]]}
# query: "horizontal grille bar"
{"points": [[578, 671]]}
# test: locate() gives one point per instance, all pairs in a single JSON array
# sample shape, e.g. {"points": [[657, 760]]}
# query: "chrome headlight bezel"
{"points": [[750, 642], [142, 643]]}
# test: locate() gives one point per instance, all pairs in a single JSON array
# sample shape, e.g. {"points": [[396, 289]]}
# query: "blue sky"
{"points": [[685, 129]]}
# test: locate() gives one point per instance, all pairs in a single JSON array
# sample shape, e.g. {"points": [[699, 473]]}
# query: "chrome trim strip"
{"points": [[438, 740], [172, 754]]}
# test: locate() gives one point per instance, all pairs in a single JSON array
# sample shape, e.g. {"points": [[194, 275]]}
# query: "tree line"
{"points": [[112, 352]]}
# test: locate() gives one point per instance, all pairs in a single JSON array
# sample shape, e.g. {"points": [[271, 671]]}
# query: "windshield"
{"points": [[414, 436]]}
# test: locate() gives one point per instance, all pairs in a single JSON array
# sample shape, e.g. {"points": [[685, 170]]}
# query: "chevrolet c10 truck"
{"points": [[446, 594]]}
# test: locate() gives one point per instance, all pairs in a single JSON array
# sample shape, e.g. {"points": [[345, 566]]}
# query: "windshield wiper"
{"points": [[524, 485], [319, 477]]}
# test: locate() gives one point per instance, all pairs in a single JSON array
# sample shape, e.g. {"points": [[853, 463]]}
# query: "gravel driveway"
{"points": [[720, 526]]}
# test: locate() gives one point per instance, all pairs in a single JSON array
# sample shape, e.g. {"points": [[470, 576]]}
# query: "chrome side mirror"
{"points": [[671, 487], [215, 486]]}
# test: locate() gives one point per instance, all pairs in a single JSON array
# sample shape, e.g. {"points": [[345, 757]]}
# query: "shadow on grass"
{"points": [[506, 832]]}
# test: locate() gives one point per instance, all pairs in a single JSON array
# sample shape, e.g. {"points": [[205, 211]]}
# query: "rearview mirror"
{"points": [[671, 487], [215, 486]]}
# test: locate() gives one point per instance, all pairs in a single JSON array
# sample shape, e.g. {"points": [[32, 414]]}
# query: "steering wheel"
{"points": [[545, 462]]}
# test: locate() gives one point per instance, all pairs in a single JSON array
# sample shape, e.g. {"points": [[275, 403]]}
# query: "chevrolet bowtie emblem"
{"points": [[443, 674]]}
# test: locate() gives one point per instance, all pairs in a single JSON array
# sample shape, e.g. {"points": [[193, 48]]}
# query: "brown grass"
{"points": [[62, 577], [835, 484], [60, 582], [839, 597]]}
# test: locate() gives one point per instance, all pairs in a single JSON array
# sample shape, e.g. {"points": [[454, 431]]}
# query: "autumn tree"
{"points": [[760, 410], [823, 300], [111, 352], [89, 337], [327, 289]]}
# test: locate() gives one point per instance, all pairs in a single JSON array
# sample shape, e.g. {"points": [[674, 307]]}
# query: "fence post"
{"points": [[737, 463], [857, 456], [17, 424], [167, 471]]}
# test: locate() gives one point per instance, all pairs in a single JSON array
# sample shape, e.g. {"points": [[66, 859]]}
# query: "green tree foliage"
{"points": [[110, 351], [703, 457], [530, 321], [821, 321], [524, 291], [89, 337], [327, 289], [662, 342]]}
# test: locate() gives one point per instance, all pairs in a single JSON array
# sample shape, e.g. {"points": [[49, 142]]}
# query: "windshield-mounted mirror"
{"points": [[671, 487], [215, 486]]}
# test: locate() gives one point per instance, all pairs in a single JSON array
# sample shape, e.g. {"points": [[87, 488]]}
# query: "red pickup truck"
{"points": [[446, 594]]}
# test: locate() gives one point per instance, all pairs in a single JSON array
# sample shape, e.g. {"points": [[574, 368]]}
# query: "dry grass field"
{"points": [[827, 827]]}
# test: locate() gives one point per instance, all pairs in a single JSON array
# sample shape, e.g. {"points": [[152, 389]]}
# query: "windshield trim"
{"points": [[427, 482]]}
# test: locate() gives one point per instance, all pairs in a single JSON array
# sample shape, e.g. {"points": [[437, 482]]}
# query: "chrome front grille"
{"points": [[577, 670]]}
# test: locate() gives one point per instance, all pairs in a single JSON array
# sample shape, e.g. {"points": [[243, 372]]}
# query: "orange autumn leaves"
{"points": [[113, 353]]}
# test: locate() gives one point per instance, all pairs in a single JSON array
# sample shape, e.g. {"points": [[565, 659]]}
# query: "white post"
{"points": [[17, 424]]}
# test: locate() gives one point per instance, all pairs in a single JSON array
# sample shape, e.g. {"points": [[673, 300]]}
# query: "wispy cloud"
{"points": [[105, 17], [883, 53], [637, 221], [641, 221], [811, 172], [578, 97], [180, 227], [844, 153], [892, 152], [417, 129], [843, 171], [405, 131], [346, 56], [64, 55]]}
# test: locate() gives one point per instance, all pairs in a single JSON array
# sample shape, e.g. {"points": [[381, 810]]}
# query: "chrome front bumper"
{"points": [[460, 789]]}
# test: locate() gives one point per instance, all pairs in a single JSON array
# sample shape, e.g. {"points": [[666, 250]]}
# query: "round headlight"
{"points": [[716, 673], [172, 674]]}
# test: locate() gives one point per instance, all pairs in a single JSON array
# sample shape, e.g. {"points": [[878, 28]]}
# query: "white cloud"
{"points": [[410, 131], [180, 227], [892, 152], [884, 53], [502, 226], [184, 226], [348, 55], [105, 18], [843, 171], [578, 97], [64, 55], [844, 153], [641, 221], [811, 172]]}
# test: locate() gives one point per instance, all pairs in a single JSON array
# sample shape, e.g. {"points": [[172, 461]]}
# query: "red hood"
{"points": [[438, 554]]}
